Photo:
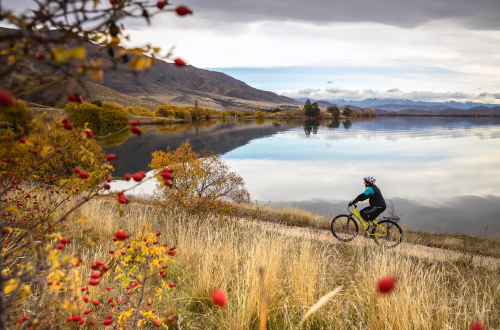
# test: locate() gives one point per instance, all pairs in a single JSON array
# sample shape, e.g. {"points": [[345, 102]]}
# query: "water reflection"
{"points": [[311, 125], [442, 173]]}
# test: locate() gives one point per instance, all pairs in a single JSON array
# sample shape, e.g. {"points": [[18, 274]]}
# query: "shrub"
{"points": [[260, 115], [140, 111], [103, 119], [164, 110], [18, 115], [186, 115], [200, 179]]}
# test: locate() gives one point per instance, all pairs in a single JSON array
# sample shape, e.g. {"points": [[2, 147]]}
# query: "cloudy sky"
{"points": [[431, 50]]}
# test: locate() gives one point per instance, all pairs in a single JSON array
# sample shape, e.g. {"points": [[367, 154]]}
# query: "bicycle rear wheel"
{"points": [[387, 233], [344, 227]]}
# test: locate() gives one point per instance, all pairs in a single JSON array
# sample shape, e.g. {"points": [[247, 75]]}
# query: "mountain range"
{"points": [[400, 104]]}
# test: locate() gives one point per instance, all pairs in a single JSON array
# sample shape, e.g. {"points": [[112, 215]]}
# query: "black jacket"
{"points": [[374, 194]]}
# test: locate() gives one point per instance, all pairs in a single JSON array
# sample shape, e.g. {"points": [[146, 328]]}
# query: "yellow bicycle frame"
{"points": [[365, 224]]}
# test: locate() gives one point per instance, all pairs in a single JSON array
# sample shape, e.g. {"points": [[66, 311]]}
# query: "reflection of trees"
{"points": [[115, 139], [311, 125], [347, 124], [260, 121], [276, 124], [334, 124]]}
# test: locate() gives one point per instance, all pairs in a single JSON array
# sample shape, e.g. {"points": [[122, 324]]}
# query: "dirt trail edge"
{"points": [[415, 250]]}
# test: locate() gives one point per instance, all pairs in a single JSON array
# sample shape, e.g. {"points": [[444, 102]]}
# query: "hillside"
{"points": [[166, 83]]}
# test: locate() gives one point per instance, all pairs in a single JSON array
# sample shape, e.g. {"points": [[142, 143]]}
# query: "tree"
{"points": [[311, 110], [259, 115], [201, 179], [334, 111], [347, 112]]}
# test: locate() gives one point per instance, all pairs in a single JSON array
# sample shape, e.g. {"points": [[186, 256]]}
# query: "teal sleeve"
{"points": [[369, 191]]}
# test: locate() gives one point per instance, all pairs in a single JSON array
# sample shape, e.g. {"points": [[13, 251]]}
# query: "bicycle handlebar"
{"points": [[349, 206]]}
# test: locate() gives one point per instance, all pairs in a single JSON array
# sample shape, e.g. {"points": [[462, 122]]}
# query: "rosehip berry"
{"points": [[113, 2], [76, 318], [68, 126], [386, 284], [84, 175], [219, 298], [134, 122], [35, 152], [70, 319], [156, 323], [136, 130], [94, 282], [161, 4], [110, 317], [92, 322], [96, 275], [6, 99], [166, 175], [476, 325], [171, 285], [108, 180], [138, 177], [79, 99], [40, 56], [183, 10], [60, 246], [108, 288], [108, 322], [180, 63], [65, 241], [86, 299], [87, 312], [77, 170], [127, 177], [121, 235], [111, 157], [72, 97], [170, 319], [89, 133], [95, 302]]}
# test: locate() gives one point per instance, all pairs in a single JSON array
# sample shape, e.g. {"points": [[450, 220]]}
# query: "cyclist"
{"points": [[377, 202]]}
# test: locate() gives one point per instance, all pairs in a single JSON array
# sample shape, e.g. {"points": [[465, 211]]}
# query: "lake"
{"points": [[442, 174]]}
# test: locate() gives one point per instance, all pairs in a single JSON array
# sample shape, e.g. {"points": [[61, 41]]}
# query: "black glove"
{"points": [[350, 203]]}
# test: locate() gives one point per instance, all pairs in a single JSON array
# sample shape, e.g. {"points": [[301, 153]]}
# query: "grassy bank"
{"points": [[298, 271], [486, 245]]}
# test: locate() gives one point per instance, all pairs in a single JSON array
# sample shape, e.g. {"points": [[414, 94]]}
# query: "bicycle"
{"points": [[386, 232]]}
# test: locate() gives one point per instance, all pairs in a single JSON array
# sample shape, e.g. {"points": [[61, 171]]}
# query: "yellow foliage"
{"points": [[199, 179], [62, 164], [106, 118], [16, 115], [260, 115], [140, 111]]}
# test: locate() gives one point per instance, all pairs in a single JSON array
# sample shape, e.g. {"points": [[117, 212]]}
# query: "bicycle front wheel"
{"points": [[344, 228], [387, 233]]}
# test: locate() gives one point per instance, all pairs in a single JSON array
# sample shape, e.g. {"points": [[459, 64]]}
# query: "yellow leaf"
{"points": [[15, 210], [83, 220], [62, 55], [11, 285], [90, 242], [11, 60]]}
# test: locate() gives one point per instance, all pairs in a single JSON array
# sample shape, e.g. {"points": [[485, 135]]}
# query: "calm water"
{"points": [[442, 174]]}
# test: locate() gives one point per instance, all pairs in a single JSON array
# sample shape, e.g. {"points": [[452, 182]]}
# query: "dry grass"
{"points": [[486, 245], [224, 254]]}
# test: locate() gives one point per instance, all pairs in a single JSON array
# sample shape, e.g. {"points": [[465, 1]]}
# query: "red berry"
{"points": [[87, 312], [219, 297], [99, 263], [156, 323], [6, 99], [136, 130], [161, 4], [171, 285], [386, 284], [77, 170], [127, 177], [84, 175], [121, 235], [34, 151], [95, 302], [94, 282], [60, 246], [72, 97], [134, 122], [89, 133], [22, 139], [68, 126], [111, 251], [113, 2], [108, 180], [170, 319], [105, 268], [138, 177], [41, 56], [70, 318], [476, 325], [166, 175], [111, 157], [79, 99], [92, 322], [108, 322], [85, 298], [64, 120], [122, 200], [65, 241], [180, 63], [183, 10], [110, 317], [76, 318], [96, 275]]}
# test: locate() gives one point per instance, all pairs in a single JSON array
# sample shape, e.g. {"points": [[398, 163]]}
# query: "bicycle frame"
{"points": [[355, 212]]}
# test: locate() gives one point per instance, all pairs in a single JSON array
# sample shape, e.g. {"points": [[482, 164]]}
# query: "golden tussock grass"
{"points": [[298, 272]]}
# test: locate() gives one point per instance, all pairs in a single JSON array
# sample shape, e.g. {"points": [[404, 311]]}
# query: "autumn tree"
{"points": [[259, 115], [201, 179]]}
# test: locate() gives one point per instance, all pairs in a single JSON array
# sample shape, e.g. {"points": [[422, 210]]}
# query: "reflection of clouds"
{"points": [[432, 165]]}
